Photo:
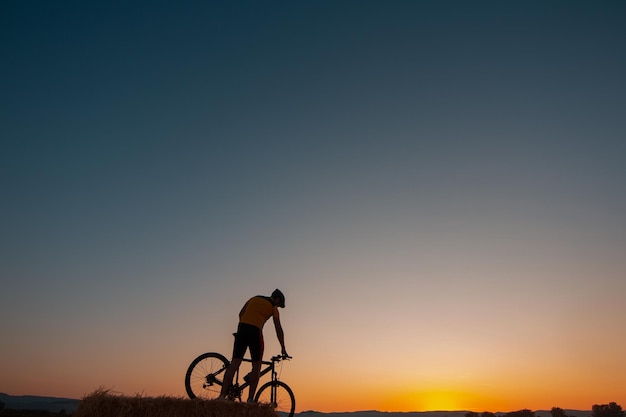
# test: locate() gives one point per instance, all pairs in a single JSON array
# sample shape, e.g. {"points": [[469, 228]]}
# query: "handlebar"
{"points": [[279, 358]]}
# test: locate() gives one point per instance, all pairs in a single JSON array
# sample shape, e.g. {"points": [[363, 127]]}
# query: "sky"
{"points": [[438, 187]]}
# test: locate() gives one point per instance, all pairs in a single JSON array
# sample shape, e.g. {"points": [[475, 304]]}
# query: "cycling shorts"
{"points": [[248, 336]]}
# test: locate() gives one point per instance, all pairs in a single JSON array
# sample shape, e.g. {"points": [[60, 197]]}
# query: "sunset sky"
{"points": [[438, 187]]}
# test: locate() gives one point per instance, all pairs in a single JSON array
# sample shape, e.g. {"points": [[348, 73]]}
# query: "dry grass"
{"points": [[102, 403]]}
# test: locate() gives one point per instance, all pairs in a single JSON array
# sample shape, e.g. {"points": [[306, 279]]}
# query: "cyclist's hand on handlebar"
{"points": [[281, 357]]}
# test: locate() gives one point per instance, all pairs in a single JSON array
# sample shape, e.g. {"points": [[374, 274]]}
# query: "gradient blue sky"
{"points": [[437, 186]]}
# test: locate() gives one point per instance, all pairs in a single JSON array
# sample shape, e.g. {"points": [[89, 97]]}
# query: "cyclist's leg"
{"points": [[254, 379], [256, 353], [239, 349], [229, 374]]}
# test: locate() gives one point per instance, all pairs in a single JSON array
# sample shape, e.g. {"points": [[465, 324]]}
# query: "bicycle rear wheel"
{"points": [[204, 376], [279, 395]]}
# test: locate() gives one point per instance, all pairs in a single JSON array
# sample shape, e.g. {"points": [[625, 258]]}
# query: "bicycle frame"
{"points": [[246, 384], [237, 389]]}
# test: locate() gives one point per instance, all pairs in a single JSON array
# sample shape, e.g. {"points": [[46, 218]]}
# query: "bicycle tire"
{"points": [[285, 401], [204, 376]]}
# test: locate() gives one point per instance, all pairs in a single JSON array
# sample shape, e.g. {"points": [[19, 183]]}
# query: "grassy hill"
{"points": [[103, 404]]}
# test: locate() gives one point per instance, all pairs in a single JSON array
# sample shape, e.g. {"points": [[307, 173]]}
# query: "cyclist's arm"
{"points": [[279, 331]]}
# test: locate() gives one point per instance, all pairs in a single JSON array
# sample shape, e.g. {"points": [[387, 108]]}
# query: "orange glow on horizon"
{"points": [[437, 399], [492, 399]]}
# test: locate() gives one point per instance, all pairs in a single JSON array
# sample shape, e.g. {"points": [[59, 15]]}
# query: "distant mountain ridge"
{"points": [[56, 404], [33, 402]]}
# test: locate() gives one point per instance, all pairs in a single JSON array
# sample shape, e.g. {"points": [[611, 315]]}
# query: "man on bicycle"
{"points": [[252, 317]]}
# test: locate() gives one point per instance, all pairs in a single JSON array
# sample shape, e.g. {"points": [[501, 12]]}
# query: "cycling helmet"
{"points": [[281, 297]]}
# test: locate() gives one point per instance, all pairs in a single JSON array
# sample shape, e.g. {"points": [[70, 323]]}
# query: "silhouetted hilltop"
{"points": [[33, 402]]}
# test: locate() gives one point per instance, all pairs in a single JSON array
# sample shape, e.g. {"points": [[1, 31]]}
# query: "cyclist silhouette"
{"points": [[252, 317]]}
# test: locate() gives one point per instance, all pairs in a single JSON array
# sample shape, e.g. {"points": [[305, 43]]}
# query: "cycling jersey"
{"points": [[257, 311]]}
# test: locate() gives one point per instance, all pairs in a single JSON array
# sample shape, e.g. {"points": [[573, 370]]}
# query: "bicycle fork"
{"points": [[273, 389]]}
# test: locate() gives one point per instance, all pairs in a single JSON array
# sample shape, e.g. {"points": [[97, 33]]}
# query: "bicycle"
{"points": [[204, 380]]}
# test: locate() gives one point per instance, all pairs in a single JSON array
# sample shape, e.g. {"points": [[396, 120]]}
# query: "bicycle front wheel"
{"points": [[278, 395], [204, 376]]}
